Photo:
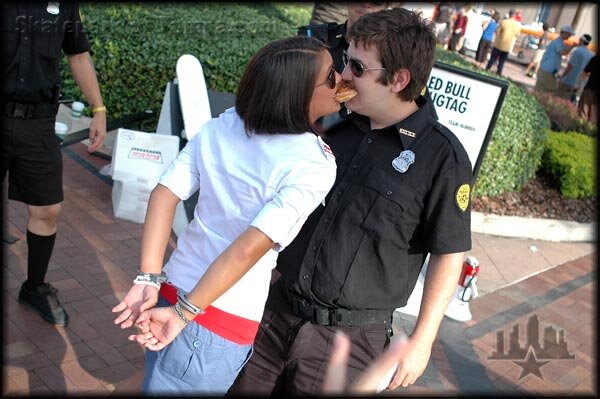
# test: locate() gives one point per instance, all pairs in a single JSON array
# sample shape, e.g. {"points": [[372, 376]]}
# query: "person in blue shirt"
{"points": [[578, 59], [486, 43], [551, 61]]}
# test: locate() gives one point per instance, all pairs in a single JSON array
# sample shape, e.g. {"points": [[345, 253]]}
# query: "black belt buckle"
{"points": [[321, 316], [21, 110]]}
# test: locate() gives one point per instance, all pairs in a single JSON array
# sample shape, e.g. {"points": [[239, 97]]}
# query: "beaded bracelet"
{"points": [[180, 313]]}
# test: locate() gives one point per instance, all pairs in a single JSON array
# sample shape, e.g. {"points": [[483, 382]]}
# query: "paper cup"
{"points": [[60, 128], [76, 109]]}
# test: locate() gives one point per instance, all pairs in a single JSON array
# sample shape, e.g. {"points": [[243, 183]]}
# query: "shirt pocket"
{"points": [[192, 356], [48, 42], [392, 211]]}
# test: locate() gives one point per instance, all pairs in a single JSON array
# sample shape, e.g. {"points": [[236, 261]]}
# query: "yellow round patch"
{"points": [[462, 197]]}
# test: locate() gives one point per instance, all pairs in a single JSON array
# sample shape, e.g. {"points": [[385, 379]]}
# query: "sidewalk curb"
{"points": [[538, 229]]}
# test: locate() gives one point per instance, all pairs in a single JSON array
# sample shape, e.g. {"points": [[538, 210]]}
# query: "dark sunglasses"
{"points": [[356, 67], [330, 82]]}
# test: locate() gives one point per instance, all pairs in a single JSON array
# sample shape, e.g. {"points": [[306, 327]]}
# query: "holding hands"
{"points": [[157, 326]]}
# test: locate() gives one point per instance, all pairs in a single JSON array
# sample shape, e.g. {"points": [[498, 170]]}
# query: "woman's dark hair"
{"points": [[275, 91], [404, 40]]}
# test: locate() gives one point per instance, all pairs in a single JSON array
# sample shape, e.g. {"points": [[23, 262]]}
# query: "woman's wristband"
{"points": [[98, 109], [190, 307]]}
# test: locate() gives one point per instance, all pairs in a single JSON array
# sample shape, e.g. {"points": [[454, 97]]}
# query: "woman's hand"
{"points": [[158, 328], [139, 298]]}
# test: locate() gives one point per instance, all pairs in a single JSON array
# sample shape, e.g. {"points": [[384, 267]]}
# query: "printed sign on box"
{"points": [[138, 160]]}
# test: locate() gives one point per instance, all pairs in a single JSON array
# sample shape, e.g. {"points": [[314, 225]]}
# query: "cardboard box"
{"points": [[138, 161]]}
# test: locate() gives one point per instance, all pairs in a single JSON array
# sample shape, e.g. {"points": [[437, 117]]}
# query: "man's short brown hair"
{"points": [[404, 40], [275, 91]]}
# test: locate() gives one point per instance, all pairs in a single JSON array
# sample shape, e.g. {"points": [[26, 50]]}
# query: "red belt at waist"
{"points": [[229, 326]]}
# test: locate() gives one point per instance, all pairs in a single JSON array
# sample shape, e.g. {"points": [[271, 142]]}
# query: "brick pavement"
{"points": [[96, 257], [562, 298]]}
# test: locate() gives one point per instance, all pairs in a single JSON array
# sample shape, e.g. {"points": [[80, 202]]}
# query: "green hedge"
{"points": [[135, 49], [515, 150], [571, 159]]}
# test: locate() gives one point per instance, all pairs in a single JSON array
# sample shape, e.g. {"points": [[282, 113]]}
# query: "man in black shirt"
{"points": [[402, 191], [33, 35], [334, 35]]}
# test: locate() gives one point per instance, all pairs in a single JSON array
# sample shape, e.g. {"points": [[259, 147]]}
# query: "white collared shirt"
{"points": [[269, 181]]}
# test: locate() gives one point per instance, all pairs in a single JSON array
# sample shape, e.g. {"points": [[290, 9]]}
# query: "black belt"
{"points": [[338, 316], [14, 109]]}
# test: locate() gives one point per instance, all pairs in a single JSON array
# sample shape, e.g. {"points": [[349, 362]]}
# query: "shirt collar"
{"points": [[408, 129]]}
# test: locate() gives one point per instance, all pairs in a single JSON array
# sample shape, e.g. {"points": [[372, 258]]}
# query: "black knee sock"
{"points": [[39, 252]]}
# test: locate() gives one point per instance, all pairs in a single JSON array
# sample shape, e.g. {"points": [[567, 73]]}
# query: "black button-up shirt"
{"points": [[33, 35], [365, 248]]}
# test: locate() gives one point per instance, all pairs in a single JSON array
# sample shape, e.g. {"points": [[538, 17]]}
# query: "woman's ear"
{"points": [[400, 80]]}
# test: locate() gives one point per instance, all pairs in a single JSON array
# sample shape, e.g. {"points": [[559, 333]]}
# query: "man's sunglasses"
{"points": [[330, 82], [356, 67]]}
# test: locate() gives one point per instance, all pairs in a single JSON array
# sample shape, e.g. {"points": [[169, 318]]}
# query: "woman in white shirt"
{"points": [[261, 169]]}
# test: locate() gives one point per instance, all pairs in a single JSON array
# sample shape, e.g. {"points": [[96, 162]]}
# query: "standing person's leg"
{"points": [[35, 178], [545, 82], [486, 51], [480, 51], [311, 350], [501, 59], [493, 57], [264, 374]]}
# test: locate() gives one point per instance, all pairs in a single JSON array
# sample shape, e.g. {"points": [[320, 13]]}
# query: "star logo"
{"points": [[531, 365]]}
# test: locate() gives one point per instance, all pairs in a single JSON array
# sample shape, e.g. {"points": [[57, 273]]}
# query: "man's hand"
{"points": [[412, 363], [158, 328], [139, 298], [371, 380], [97, 131]]}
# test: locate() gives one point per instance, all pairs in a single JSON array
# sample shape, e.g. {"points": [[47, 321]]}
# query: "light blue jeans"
{"points": [[197, 362]]}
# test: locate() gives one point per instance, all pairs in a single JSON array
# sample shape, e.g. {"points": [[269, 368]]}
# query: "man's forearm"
{"points": [[442, 277], [84, 74]]}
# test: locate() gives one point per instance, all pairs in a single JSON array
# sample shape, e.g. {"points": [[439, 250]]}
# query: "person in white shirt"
{"points": [[261, 169]]}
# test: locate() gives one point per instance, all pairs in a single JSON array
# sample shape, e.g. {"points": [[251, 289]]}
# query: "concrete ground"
{"points": [[534, 287]]}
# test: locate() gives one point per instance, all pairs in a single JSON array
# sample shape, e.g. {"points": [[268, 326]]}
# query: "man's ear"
{"points": [[400, 80]]}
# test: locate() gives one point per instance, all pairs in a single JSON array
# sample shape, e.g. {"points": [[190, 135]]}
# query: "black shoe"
{"points": [[44, 300]]}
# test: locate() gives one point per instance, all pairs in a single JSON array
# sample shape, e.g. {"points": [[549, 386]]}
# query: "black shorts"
{"points": [[31, 155]]}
